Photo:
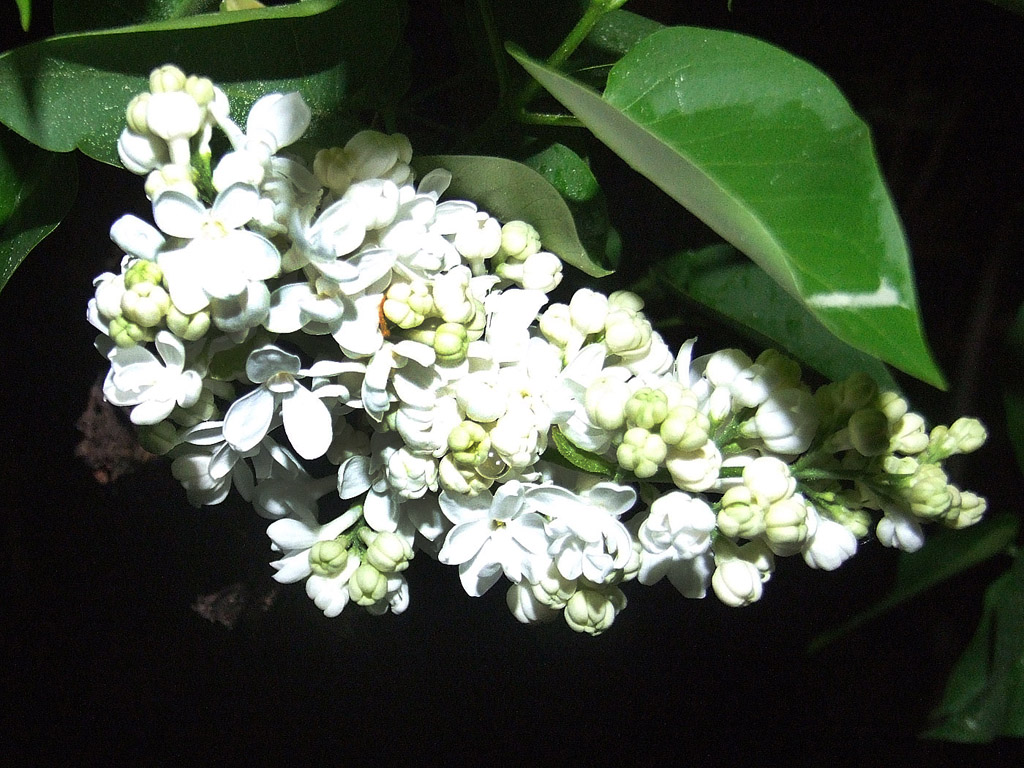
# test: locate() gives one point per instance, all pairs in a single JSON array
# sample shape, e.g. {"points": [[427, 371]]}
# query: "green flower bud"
{"points": [[386, 551], [785, 525], [647, 408], [519, 241], [685, 428], [641, 452], [857, 392], [892, 405], [200, 89], [966, 509], [968, 435], [135, 115], [593, 611], [855, 519], [125, 333], [740, 516], [469, 443], [895, 465], [869, 432], [328, 558], [187, 327], [145, 304], [785, 370], [204, 409], [451, 342], [367, 585], [908, 435], [331, 168], [166, 78], [926, 492], [142, 271]]}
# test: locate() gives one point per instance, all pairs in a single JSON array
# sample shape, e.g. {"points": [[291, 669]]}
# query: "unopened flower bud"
{"points": [[605, 402], [641, 452], [786, 525], [200, 89], [158, 438], [188, 327], [330, 166], [519, 240], [857, 391], [166, 78], [737, 582], [135, 114], [386, 551], [741, 516], [892, 405], [695, 470], [469, 443], [769, 479], [479, 241], [926, 492], [125, 333], [541, 272], [525, 606], [869, 432], [966, 510], [145, 304], [909, 435], [968, 434], [328, 558], [593, 611], [367, 585], [451, 343], [646, 408], [627, 333], [685, 428], [588, 310]]}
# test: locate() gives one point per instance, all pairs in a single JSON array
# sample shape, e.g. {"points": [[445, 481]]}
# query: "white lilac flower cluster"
{"points": [[379, 371]]}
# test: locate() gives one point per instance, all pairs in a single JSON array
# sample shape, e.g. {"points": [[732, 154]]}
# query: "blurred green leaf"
{"points": [[579, 458], [71, 91], [571, 176], [1013, 385], [509, 190], [1017, 6], [37, 188], [25, 13], [765, 150], [78, 16], [984, 696], [942, 557], [720, 278]]}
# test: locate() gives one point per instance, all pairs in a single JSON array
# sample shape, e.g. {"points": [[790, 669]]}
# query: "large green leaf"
{"points": [[37, 189], [942, 557], [571, 176], [763, 148], [24, 13], [720, 278], [78, 16], [984, 696], [71, 91], [509, 190]]}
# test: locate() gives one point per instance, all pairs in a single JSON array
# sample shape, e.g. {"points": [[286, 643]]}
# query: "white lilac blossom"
{"points": [[336, 341]]}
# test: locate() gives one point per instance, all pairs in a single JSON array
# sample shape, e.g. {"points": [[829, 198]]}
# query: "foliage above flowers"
{"points": [[382, 370]]}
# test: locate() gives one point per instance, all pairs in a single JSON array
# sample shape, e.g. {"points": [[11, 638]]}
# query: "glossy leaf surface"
{"points": [[764, 149], [37, 189], [326, 49], [720, 278], [509, 190]]}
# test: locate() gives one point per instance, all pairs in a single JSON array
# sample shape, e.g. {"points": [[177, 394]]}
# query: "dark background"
{"points": [[104, 660]]}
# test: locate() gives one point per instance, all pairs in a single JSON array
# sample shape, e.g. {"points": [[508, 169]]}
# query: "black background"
{"points": [[104, 661]]}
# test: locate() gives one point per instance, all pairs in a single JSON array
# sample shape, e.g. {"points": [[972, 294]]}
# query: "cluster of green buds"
{"points": [[444, 315]]}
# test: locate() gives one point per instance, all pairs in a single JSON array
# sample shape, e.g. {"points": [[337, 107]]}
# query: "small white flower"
{"points": [[221, 258], [307, 421], [493, 534], [138, 379], [678, 528]]}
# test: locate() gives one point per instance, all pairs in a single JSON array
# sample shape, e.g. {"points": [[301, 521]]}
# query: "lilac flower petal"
{"points": [[307, 422], [248, 419], [178, 215]]}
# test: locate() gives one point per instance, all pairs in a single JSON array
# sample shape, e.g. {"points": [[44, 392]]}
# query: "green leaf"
{"points": [[78, 16], [942, 557], [984, 695], [720, 278], [71, 91], [618, 31], [24, 13], [579, 458], [765, 150], [571, 176], [1013, 387], [37, 189], [509, 190]]}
